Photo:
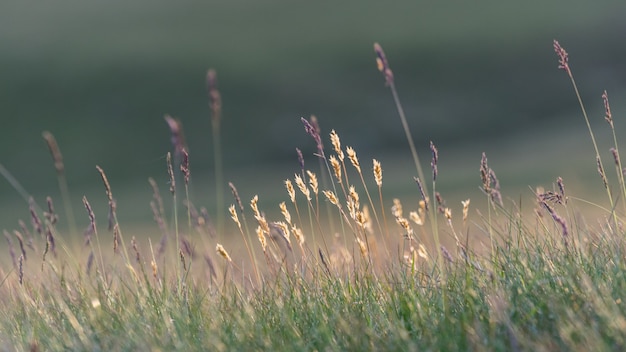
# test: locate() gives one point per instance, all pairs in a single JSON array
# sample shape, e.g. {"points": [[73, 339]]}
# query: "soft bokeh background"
{"points": [[473, 76]]}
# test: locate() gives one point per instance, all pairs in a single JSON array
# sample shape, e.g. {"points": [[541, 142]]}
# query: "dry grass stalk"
{"points": [[91, 229], [20, 269], [133, 243], [334, 163], [336, 142], [290, 190], [178, 138], [262, 239], [233, 189], [353, 158], [465, 204], [112, 203], [563, 57], [420, 187], [233, 215], [57, 157], [285, 212], [601, 172], [313, 181], [383, 64], [313, 130], [170, 173], [116, 238], [433, 163], [284, 232], [303, 187], [20, 240], [607, 109], [184, 166], [300, 159], [34, 217], [50, 215], [221, 251]]}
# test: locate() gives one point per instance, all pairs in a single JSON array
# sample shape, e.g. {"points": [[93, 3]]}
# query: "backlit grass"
{"points": [[338, 265]]}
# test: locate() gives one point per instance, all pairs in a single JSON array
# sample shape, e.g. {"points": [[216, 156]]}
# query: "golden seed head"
{"points": [[284, 229], [221, 251], [334, 139], [354, 196], [362, 247], [298, 234], [285, 212], [360, 219], [302, 186], [416, 218], [254, 206], [312, 181], [331, 197], [378, 173], [290, 190], [262, 239], [396, 209], [336, 167], [233, 215], [353, 158], [466, 204], [447, 212]]}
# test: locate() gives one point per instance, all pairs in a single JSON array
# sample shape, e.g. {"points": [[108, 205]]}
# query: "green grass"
{"points": [[518, 275]]}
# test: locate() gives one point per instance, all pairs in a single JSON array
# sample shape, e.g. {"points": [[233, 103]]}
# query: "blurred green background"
{"points": [[473, 76]]}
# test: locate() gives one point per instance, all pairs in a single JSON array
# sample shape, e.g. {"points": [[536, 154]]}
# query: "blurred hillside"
{"points": [[101, 75]]}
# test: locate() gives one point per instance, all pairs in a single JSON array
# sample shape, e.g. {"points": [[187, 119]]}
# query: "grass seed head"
{"points": [[336, 167], [302, 186], [262, 239], [465, 204], [378, 173], [336, 142], [383, 64], [563, 57], [221, 251], [607, 109], [57, 157], [285, 212], [313, 181], [290, 190], [353, 158]]}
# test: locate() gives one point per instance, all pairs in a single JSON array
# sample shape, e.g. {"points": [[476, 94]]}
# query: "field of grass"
{"points": [[342, 262]]}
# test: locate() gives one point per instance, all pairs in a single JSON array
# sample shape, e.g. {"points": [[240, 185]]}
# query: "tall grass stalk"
{"points": [[564, 64], [215, 103], [59, 166]]}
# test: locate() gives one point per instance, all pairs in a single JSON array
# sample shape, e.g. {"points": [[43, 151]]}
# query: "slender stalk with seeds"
{"points": [[215, 103], [608, 116], [112, 212], [246, 240], [170, 172], [383, 66], [564, 65], [59, 166], [378, 177]]}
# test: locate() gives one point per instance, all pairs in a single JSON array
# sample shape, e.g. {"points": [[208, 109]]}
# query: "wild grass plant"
{"points": [[365, 275]]}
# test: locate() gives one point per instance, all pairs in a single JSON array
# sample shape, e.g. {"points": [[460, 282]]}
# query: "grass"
{"points": [[492, 275]]}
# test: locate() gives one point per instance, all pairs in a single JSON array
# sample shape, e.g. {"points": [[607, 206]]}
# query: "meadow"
{"points": [[337, 265]]}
